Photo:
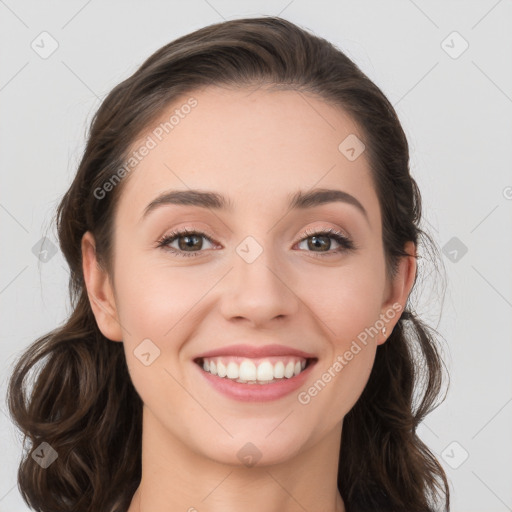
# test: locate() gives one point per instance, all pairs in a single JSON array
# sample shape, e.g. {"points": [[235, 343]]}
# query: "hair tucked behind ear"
{"points": [[82, 402]]}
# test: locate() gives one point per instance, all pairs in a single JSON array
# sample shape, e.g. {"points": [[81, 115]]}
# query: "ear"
{"points": [[397, 292], [99, 291]]}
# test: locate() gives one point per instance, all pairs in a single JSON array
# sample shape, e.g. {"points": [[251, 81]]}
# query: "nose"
{"points": [[258, 292]]}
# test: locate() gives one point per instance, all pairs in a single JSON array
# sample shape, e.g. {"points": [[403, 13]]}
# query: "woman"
{"points": [[242, 235]]}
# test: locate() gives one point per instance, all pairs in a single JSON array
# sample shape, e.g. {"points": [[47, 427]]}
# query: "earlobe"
{"points": [[398, 291], [99, 291]]}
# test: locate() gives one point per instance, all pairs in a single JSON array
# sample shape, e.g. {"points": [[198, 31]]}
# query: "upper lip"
{"points": [[253, 351]]}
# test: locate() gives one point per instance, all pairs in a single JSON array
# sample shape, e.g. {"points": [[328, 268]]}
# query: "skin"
{"points": [[256, 147]]}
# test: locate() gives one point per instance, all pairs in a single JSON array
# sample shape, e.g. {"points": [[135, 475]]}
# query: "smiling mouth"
{"points": [[265, 370]]}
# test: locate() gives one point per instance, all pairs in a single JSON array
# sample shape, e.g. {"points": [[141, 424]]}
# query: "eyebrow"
{"points": [[299, 201]]}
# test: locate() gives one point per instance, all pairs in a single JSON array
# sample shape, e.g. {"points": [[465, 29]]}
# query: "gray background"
{"points": [[456, 109]]}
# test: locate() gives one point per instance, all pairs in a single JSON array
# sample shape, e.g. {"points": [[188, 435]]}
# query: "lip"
{"points": [[257, 392], [253, 352]]}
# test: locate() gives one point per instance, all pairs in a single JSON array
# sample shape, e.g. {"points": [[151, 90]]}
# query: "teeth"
{"points": [[232, 371], [251, 372], [247, 370], [221, 369], [288, 371], [265, 371], [279, 370]]}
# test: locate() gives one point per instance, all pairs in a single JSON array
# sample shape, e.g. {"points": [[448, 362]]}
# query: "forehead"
{"points": [[256, 146]]}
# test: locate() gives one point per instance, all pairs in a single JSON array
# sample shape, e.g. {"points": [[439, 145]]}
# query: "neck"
{"points": [[174, 477]]}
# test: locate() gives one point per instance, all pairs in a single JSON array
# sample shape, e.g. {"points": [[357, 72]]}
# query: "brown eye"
{"points": [[321, 242], [190, 243]]}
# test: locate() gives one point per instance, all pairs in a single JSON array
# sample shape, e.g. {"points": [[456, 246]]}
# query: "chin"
{"points": [[254, 448]]}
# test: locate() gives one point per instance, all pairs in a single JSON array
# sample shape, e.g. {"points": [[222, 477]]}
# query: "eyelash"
{"points": [[345, 242]]}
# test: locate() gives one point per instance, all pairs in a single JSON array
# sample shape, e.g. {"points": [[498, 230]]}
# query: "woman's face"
{"points": [[252, 274]]}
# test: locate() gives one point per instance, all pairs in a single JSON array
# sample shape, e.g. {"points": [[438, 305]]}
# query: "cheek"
{"points": [[350, 372], [347, 300], [348, 303], [348, 314], [156, 303], [153, 298]]}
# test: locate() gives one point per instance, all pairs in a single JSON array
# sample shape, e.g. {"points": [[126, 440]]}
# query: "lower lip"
{"points": [[257, 392]]}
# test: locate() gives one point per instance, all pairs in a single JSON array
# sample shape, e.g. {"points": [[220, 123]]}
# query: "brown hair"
{"points": [[83, 403]]}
